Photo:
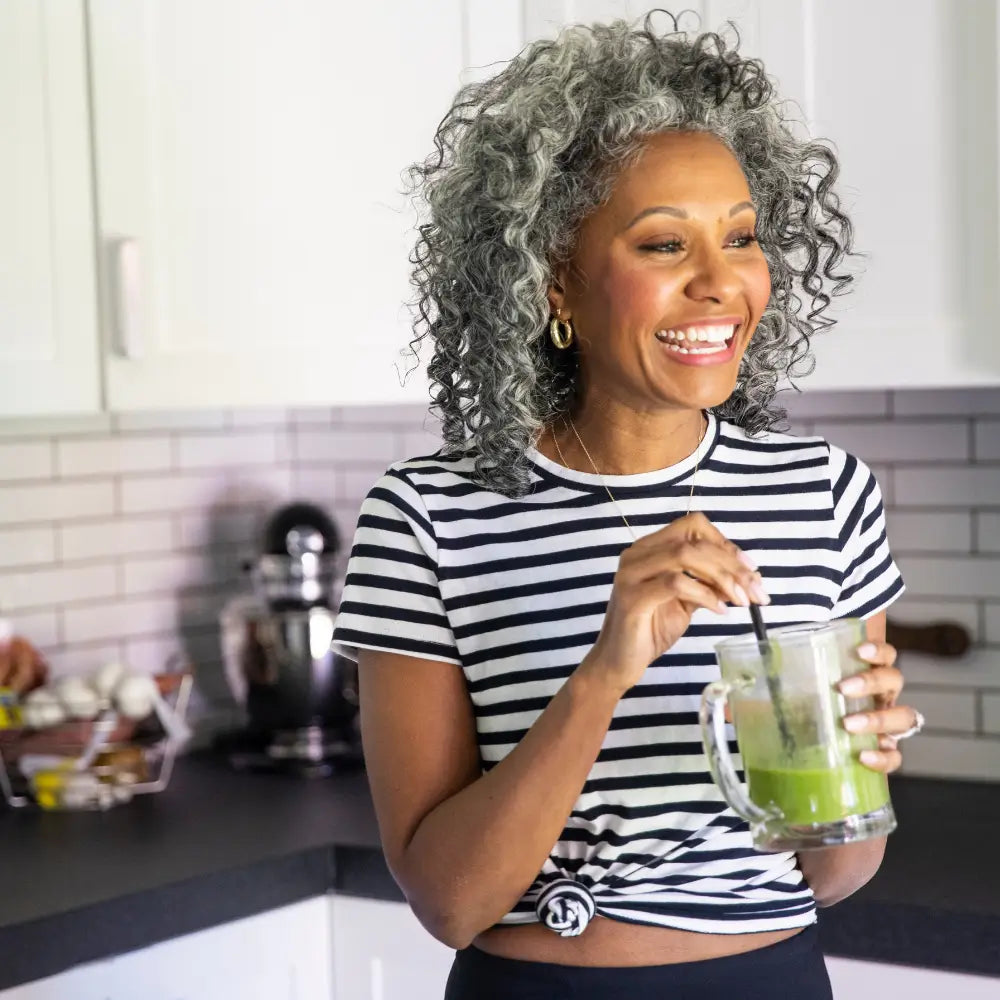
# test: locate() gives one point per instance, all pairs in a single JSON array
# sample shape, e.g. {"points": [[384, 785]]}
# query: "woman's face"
{"points": [[666, 284]]}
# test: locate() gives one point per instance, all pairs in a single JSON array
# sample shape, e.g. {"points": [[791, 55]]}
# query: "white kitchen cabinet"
{"points": [[48, 301], [854, 980], [86, 982], [381, 952], [918, 149], [252, 227], [283, 954]]}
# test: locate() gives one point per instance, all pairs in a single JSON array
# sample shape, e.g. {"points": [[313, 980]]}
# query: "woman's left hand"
{"points": [[885, 682]]}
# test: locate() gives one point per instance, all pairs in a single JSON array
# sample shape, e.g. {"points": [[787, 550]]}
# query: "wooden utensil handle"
{"points": [[937, 638]]}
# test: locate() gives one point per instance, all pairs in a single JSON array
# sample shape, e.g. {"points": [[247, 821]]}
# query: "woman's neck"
{"points": [[622, 443]]}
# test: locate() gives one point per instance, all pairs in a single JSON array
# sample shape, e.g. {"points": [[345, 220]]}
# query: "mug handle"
{"points": [[720, 762]]}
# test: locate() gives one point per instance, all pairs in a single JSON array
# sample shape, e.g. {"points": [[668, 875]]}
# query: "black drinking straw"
{"points": [[771, 676]]}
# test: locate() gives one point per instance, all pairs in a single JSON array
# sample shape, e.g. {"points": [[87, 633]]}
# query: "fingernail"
{"points": [[746, 560], [759, 594], [741, 596], [854, 723], [870, 757], [866, 650], [853, 685]]}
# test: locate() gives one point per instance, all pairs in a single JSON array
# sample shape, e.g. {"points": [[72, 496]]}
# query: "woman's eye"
{"points": [[743, 240], [665, 246]]}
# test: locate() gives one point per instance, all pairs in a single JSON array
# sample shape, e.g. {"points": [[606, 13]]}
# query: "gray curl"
{"points": [[523, 157]]}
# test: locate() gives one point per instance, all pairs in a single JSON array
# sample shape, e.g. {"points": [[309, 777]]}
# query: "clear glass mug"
{"points": [[805, 785]]}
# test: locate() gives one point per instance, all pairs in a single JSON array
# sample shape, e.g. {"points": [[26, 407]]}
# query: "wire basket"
{"points": [[87, 766]]}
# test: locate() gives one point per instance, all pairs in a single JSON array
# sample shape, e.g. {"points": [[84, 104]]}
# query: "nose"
{"points": [[712, 277]]}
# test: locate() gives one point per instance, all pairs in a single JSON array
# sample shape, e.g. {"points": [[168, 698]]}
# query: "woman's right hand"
{"points": [[661, 580]]}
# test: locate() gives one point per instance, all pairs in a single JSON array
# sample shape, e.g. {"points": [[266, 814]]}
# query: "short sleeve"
{"points": [[391, 599], [870, 579]]}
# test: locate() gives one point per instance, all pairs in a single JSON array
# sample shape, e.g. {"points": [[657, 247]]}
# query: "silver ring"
{"points": [[914, 729]]}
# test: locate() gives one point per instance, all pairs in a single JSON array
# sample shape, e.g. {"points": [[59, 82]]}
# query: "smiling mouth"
{"points": [[699, 340]]}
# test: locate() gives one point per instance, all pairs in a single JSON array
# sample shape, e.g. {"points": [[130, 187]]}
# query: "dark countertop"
{"points": [[219, 845]]}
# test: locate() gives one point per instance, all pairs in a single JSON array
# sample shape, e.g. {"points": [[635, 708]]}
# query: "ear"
{"points": [[557, 292]]}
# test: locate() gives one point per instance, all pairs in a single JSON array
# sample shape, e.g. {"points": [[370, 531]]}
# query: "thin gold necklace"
{"points": [[694, 475]]}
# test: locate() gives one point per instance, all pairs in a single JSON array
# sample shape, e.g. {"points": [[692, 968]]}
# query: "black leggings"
{"points": [[792, 968]]}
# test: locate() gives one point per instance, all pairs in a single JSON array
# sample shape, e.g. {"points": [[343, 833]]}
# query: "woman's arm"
{"points": [[465, 846], [834, 873]]}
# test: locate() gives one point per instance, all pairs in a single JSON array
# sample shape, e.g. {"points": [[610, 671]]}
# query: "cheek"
{"points": [[637, 296], [757, 280]]}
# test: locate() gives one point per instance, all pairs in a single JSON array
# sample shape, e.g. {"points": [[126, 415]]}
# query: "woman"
{"points": [[626, 249]]}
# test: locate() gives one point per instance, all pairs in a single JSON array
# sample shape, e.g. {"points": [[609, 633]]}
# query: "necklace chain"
{"points": [[694, 475]]}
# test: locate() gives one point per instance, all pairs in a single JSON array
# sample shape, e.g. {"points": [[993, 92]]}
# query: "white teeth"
{"points": [[697, 334]]}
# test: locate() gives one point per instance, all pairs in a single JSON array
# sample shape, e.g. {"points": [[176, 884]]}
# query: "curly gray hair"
{"points": [[523, 157]]}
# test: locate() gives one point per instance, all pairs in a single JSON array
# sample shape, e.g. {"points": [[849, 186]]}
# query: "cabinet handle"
{"points": [[126, 298]]}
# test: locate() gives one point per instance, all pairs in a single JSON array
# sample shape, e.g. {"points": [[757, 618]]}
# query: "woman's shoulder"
{"points": [[432, 473]]}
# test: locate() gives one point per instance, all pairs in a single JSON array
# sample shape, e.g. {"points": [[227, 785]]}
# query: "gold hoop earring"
{"points": [[561, 333]]}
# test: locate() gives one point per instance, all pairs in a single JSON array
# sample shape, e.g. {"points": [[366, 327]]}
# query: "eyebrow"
{"points": [[679, 213]]}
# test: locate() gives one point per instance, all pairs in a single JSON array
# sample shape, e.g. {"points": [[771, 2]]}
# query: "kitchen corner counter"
{"points": [[220, 845]]}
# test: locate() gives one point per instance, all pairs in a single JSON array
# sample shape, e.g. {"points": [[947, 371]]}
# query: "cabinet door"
{"points": [[876, 980], [249, 160], [48, 303], [88, 982], [381, 952], [918, 152], [283, 954]]}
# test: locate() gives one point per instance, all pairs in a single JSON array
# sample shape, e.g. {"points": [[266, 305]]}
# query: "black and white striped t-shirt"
{"points": [[514, 592]]}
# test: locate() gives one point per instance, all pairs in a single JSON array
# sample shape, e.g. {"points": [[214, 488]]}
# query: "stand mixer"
{"points": [[299, 695]]}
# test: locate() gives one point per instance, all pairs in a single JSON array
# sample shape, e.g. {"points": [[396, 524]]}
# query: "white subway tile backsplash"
{"points": [[82, 657], [987, 440], [991, 713], [225, 448], [110, 455], [355, 484], [400, 415], [44, 427], [317, 483], [947, 486], [133, 558], [416, 443], [169, 420], [979, 668], [988, 531], [115, 537], [45, 588], [40, 627], [991, 621], [42, 502], [929, 531], [943, 710], [945, 402], [259, 418], [952, 576], [314, 416], [206, 490], [25, 460], [140, 494], [27, 546], [169, 574], [899, 441], [118, 619], [963, 757], [222, 527], [341, 446]]}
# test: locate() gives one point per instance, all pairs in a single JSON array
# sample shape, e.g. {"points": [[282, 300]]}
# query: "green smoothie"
{"points": [[819, 795]]}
